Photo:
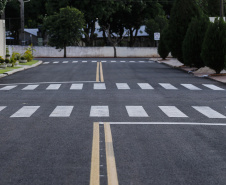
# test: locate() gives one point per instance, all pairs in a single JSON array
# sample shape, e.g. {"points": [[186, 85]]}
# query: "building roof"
{"points": [[33, 31]]}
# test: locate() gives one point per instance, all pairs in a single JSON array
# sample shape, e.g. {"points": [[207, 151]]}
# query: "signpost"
{"points": [[157, 38]]}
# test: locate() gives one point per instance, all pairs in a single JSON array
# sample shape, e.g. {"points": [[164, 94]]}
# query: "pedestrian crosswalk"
{"points": [[93, 61], [112, 86], [126, 111]]}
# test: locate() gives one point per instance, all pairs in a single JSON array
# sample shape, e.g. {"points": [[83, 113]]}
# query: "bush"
{"points": [[192, 44], [163, 50], [6, 61], [214, 46], [2, 60], [181, 15], [28, 54]]}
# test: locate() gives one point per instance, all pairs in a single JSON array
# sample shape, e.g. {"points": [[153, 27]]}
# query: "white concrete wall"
{"points": [[2, 39], [41, 51]]}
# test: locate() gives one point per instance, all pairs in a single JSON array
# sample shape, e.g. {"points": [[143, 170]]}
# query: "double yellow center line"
{"points": [[99, 73], [110, 158]]}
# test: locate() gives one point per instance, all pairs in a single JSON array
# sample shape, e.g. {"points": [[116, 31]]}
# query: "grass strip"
{"points": [[29, 63], [8, 69]]}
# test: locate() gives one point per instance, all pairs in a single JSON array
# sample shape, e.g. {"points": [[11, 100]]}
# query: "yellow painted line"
{"points": [[101, 73], [95, 161], [97, 73], [110, 157]]}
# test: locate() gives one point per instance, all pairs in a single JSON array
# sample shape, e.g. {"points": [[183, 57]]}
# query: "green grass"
{"points": [[7, 69], [29, 63]]}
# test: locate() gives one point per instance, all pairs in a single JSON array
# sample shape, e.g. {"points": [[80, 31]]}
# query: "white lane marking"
{"points": [[62, 111], [123, 61], [76, 87], [113, 61], [168, 86], [50, 82], [151, 62], [99, 111], [136, 111], [99, 86], [6, 88], [132, 61], [122, 86], [46, 63], [65, 62], [55, 62], [30, 87], [25, 112], [103, 61], [84, 61], [208, 112], [191, 87], [53, 87], [2, 107], [75, 62], [172, 112], [94, 61], [145, 86], [213, 87], [141, 61], [166, 123]]}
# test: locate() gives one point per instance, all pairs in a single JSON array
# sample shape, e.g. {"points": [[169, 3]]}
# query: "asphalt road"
{"points": [[119, 121]]}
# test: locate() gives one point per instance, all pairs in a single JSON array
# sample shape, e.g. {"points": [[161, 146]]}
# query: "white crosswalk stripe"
{"points": [[132, 61], [55, 62], [46, 63], [74, 61], [99, 111], [99, 86], [136, 111], [84, 61], [76, 87], [122, 61], [145, 86], [9, 87], [191, 87], [25, 112], [213, 87], [62, 111], [113, 61], [103, 61], [122, 86], [168, 86], [30, 87], [65, 62], [141, 61], [207, 111], [2, 107], [94, 61], [53, 87], [172, 112]]}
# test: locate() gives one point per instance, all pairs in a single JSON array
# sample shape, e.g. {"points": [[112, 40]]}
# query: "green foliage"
{"points": [[7, 52], [64, 28], [2, 60], [7, 61], [213, 8], [2, 5], [28, 54], [181, 15], [192, 44], [163, 50], [156, 25], [214, 46]]}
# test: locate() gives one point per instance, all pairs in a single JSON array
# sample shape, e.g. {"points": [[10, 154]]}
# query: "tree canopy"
{"points": [[2, 5], [64, 28]]}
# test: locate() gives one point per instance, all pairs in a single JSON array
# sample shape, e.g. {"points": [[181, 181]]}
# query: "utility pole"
{"points": [[222, 8]]}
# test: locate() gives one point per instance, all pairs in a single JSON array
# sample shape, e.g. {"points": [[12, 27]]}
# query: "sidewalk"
{"points": [[202, 72], [22, 67]]}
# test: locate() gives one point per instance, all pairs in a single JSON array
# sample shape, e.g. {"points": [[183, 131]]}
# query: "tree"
{"points": [[163, 49], [64, 28], [181, 15], [2, 5], [156, 25], [192, 44], [214, 46], [213, 8]]}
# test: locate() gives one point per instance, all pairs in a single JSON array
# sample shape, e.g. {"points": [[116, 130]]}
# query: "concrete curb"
{"points": [[20, 69], [191, 72]]}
